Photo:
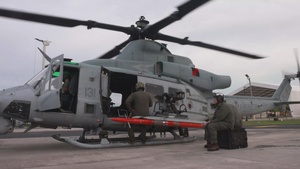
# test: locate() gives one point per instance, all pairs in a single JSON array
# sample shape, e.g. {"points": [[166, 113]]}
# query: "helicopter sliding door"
{"points": [[105, 91], [50, 85], [116, 86]]}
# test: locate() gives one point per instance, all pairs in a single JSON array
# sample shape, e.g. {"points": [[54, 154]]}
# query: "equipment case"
{"points": [[233, 139]]}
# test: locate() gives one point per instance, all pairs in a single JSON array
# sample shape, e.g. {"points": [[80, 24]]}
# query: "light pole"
{"points": [[251, 94], [250, 86], [45, 43]]}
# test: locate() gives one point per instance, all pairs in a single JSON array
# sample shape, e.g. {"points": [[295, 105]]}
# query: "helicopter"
{"points": [[90, 103]]}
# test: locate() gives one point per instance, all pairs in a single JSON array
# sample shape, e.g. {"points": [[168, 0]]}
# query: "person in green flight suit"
{"points": [[223, 119], [238, 121], [138, 104]]}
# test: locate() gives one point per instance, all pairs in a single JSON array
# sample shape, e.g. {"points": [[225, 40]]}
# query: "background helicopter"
{"points": [[153, 32]]}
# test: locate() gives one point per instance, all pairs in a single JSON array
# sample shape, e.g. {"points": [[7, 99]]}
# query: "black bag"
{"points": [[233, 139]]}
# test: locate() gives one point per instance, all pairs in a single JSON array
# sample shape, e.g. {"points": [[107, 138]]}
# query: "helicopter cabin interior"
{"points": [[121, 85], [116, 86], [68, 94]]}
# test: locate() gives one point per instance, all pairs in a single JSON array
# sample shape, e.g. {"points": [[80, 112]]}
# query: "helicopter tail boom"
{"points": [[254, 105]]}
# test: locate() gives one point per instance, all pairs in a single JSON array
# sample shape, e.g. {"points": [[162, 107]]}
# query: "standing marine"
{"points": [[138, 104]]}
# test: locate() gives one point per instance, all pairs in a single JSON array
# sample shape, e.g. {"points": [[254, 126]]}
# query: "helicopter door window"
{"points": [[188, 92], [105, 92], [104, 84], [155, 91], [116, 99], [89, 109]]}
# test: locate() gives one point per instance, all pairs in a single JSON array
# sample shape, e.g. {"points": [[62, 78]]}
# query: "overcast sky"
{"points": [[264, 27]]}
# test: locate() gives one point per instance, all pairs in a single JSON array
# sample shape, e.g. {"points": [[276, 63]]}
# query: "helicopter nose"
{"points": [[15, 102], [4, 100]]}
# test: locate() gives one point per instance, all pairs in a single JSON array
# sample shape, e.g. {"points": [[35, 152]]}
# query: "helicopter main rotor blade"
{"points": [[185, 41], [177, 15], [59, 21], [116, 50]]}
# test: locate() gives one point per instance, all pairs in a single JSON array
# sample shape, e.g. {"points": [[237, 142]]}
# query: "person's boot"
{"points": [[143, 137], [213, 147], [208, 144], [131, 136], [131, 140]]}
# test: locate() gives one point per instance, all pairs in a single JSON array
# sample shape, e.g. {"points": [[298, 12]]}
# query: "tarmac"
{"points": [[275, 148]]}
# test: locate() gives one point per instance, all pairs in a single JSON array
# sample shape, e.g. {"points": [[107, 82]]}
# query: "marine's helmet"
{"points": [[219, 97], [139, 85]]}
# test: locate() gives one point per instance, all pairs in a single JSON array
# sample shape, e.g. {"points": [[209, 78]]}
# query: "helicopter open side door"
{"points": [[105, 90], [50, 86]]}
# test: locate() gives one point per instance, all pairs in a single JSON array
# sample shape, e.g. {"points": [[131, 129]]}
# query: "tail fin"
{"points": [[284, 90]]}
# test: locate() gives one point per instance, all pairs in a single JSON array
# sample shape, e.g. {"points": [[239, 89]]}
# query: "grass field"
{"points": [[265, 122]]}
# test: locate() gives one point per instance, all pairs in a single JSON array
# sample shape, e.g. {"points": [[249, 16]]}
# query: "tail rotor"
{"points": [[297, 60]]}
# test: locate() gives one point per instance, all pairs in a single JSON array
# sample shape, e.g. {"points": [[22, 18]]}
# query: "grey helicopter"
{"points": [[90, 103]]}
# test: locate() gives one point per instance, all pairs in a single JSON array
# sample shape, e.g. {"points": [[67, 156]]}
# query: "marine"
{"points": [[138, 104], [223, 119]]}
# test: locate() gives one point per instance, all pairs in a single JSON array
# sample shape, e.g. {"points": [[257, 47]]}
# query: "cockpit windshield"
{"points": [[37, 80], [48, 78]]}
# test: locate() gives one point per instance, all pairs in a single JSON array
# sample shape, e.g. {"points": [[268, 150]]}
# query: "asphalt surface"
{"points": [[276, 148]]}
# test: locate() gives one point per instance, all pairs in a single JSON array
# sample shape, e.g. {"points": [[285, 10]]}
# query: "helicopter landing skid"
{"points": [[105, 143]]}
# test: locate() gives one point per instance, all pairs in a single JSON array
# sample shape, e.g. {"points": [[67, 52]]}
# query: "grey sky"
{"points": [[264, 27]]}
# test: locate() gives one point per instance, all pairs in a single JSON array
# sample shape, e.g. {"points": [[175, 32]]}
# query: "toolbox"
{"points": [[233, 139]]}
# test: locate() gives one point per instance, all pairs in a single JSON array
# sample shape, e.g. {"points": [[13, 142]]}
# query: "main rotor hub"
{"points": [[142, 22]]}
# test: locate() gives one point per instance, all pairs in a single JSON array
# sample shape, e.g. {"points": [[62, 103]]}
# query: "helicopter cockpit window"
{"points": [[48, 78], [52, 80], [37, 80], [55, 80]]}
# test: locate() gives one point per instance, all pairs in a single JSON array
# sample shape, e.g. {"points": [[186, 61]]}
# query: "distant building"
{"points": [[266, 90]]}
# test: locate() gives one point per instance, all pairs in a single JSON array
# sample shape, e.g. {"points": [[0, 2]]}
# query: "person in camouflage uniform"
{"points": [[223, 119], [138, 104]]}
